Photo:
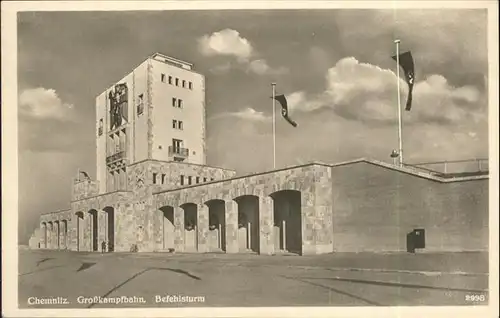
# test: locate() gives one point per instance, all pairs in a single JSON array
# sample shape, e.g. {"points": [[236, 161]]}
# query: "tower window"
{"points": [[174, 102], [190, 180], [154, 178], [163, 178], [197, 179], [180, 125], [176, 81], [182, 180], [179, 103], [204, 179], [170, 79], [183, 83], [190, 85], [163, 77], [174, 123], [140, 104], [100, 127]]}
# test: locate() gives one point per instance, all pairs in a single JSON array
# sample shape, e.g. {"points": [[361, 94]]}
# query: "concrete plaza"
{"points": [[340, 279]]}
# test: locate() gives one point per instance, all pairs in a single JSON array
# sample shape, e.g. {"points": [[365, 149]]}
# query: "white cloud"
{"points": [[260, 67], [356, 116], [229, 42], [221, 69], [368, 93], [252, 114], [246, 114], [225, 42], [44, 104]]}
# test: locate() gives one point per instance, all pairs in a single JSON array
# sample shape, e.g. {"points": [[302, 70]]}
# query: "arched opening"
{"points": [[110, 228], [65, 234], [168, 228], [94, 230], [44, 235], [216, 225], [50, 236], [190, 227], [248, 223], [58, 234], [79, 230], [287, 221]]}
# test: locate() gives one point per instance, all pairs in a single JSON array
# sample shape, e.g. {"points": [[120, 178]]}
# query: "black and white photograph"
{"points": [[312, 158]]}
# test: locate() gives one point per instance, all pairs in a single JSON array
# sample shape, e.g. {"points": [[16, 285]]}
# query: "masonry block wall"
{"points": [[310, 209], [163, 175], [85, 189], [374, 208], [311, 182]]}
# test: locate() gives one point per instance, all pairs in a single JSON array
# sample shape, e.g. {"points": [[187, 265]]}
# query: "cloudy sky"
{"points": [[334, 66]]}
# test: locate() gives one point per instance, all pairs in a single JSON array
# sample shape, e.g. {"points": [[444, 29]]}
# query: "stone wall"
{"points": [[353, 207], [46, 232], [121, 204], [169, 174], [375, 207], [312, 181], [85, 188], [35, 239]]}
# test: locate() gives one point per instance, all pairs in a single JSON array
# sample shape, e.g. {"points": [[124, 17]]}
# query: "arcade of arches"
{"points": [[244, 224], [85, 231], [289, 210]]}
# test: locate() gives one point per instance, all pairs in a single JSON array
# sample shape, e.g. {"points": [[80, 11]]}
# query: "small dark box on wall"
{"points": [[419, 238], [415, 239]]}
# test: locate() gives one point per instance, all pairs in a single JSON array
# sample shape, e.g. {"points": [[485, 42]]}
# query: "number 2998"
{"points": [[473, 297]]}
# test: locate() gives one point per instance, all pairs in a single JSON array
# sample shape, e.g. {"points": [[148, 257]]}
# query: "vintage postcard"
{"points": [[250, 159]]}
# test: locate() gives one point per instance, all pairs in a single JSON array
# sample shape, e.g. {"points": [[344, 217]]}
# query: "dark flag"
{"points": [[86, 175], [406, 62], [284, 109]]}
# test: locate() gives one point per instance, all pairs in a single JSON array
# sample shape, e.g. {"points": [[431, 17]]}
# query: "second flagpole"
{"points": [[274, 124], [400, 124]]}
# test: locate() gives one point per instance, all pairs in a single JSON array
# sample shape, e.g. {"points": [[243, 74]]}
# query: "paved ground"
{"points": [[342, 279]]}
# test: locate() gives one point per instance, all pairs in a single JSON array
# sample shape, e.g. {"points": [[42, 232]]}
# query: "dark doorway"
{"points": [[248, 223], [110, 228], [79, 230], [94, 231], [287, 221], [167, 213], [190, 227], [216, 225]]}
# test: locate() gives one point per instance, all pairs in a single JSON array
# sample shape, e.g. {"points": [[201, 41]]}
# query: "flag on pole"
{"points": [[406, 63], [284, 109], [86, 175]]}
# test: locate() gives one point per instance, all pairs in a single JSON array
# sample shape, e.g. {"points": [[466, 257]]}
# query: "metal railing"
{"points": [[178, 151], [115, 157], [453, 167]]}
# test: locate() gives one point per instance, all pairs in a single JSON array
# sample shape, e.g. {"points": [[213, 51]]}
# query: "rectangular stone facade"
{"points": [[342, 208], [169, 174], [84, 189], [376, 207]]}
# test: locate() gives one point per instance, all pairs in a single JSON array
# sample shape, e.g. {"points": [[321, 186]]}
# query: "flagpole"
{"points": [[400, 124], [274, 125]]}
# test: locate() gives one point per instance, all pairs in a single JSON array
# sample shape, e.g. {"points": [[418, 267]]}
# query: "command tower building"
{"points": [[154, 192], [156, 112]]}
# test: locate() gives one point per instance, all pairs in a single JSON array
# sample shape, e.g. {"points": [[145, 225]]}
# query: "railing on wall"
{"points": [[453, 168], [177, 151], [115, 157]]}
